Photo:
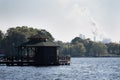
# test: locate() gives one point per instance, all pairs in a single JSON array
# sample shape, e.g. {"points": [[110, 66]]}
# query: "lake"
{"points": [[79, 69]]}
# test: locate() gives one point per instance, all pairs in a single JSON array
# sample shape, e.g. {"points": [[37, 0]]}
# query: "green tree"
{"points": [[46, 34], [78, 49], [18, 35], [98, 49], [77, 40], [1, 37], [62, 48], [113, 48]]}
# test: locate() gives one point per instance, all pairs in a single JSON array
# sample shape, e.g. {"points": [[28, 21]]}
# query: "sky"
{"points": [[64, 19]]}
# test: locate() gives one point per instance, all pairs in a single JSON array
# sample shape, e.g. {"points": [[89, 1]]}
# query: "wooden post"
{"points": [[28, 54]]}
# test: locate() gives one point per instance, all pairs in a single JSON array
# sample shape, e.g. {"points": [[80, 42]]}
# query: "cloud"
{"points": [[64, 2]]}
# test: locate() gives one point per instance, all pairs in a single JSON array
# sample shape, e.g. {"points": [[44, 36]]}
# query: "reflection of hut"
{"points": [[39, 50]]}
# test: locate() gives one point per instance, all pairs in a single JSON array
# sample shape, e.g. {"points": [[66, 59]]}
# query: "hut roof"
{"points": [[37, 44], [39, 40]]}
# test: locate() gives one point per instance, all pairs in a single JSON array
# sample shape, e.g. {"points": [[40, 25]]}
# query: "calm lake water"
{"points": [[80, 69]]}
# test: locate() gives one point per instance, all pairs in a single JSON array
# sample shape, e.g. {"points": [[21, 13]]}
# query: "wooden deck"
{"points": [[63, 60]]}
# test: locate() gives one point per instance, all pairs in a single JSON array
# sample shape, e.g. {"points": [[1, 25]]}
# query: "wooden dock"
{"points": [[63, 60]]}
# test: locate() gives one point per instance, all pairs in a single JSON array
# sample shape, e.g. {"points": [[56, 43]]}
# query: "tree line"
{"points": [[87, 48], [76, 48]]}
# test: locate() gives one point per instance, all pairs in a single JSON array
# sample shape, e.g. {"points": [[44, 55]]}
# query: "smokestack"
{"points": [[95, 28]]}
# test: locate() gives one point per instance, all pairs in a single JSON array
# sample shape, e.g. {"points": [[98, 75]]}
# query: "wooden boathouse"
{"points": [[40, 50], [37, 51]]}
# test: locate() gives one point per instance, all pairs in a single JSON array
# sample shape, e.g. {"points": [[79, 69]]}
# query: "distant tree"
{"points": [[11, 41], [88, 46], [76, 40], [113, 48], [78, 49], [1, 37], [62, 48], [98, 49], [46, 34]]}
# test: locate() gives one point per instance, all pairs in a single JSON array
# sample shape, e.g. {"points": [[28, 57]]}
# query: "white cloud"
{"points": [[64, 2]]}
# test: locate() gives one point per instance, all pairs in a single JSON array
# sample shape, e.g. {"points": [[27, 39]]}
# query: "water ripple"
{"points": [[80, 69]]}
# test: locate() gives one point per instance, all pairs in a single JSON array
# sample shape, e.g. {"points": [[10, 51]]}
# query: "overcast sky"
{"points": [[64, 19]]}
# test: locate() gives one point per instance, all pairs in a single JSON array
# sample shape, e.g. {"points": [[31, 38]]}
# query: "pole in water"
{"points": [[118, 49]]}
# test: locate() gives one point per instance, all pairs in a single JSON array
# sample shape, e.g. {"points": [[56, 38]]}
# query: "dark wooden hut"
{"points": [[39, 50]]}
